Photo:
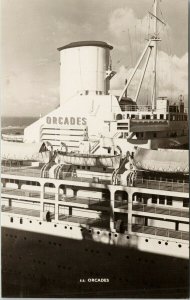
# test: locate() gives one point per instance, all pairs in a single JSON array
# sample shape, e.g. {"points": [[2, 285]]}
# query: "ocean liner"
{"points": [[95, 198]]}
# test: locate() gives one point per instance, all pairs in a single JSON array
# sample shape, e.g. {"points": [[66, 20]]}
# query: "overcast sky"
{"points": [[32, 30]]}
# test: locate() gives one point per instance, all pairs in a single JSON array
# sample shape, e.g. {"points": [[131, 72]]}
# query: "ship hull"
{"points": [[42, 265]]}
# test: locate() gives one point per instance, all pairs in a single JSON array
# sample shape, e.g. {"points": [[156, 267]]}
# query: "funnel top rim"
{"points": [[86, 43]]}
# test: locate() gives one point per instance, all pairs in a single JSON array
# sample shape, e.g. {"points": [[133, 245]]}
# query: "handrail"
{"points": [[183, 235], [161, 210], [162, 185]]}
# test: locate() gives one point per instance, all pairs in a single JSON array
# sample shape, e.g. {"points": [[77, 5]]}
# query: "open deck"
{"points": [[156, 184]]}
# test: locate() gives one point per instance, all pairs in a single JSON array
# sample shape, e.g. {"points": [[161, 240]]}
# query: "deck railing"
{"points": [[20, 192], [166, 185], [157, 184], [85, 200], [21, 171], [183, 235], [161, 210]]}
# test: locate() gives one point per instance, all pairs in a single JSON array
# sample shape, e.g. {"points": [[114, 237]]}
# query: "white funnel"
{"points": [[83, 69]]}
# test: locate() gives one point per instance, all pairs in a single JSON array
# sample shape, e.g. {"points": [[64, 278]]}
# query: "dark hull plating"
{"points": [[38, 265]]}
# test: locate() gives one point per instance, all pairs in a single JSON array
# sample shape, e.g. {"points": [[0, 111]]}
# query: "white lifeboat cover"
{"points": [[165, 160], [21, 151]]}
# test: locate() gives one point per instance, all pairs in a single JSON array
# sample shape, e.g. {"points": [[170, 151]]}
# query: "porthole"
{"points": [[25, 238], [54, 244], [98, 232], [55, 225], [65, 227], [127, 237], [115, 235], [166, 243], [179, 245], [30, 221], [90, 230], [40, 223], [159, 242], [146, 240], [71, 228], [81, 229]]}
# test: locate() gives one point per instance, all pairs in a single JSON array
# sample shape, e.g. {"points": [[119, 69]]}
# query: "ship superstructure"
{"points": [[99, 172]]}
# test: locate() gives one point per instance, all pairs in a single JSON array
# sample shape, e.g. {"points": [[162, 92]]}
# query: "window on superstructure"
{"points": [[169, 201], [88, 168], [155, 117], [162, 200], [154, 199], [161, 117], [143, 117], [83, 167], [154, 134], [185, 117], [119, 117], [186, 203], [147, 117], [145, 200]]}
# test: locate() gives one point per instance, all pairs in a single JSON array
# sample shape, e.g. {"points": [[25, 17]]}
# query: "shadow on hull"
{"points": [[38, 265]]}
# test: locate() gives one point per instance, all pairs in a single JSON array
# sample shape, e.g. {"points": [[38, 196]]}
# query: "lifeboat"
{"points": [[109, 161], [25, 151], [165, 160]]}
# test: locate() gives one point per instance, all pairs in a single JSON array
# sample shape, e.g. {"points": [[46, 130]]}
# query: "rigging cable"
{"points": [[130, 44]]}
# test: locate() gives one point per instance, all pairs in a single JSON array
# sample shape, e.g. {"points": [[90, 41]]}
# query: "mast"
{"points": [[154, 91]]}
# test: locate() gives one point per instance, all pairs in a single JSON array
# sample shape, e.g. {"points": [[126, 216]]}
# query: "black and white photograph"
{"points": [[94, 149]]}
